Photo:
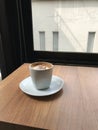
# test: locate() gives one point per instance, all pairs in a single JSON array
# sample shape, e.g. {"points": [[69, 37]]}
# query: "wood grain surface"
{"points": [[75, 107]]}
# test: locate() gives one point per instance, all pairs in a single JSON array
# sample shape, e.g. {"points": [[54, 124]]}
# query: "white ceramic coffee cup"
{"points": [[41, 74]]}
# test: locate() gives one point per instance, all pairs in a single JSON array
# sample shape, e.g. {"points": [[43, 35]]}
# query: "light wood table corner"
{"points": [[75, 107]]}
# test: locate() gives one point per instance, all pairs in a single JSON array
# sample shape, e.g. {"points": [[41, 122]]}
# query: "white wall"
{"points": [[73, 19]]}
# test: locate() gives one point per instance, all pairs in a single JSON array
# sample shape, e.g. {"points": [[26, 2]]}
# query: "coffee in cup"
{"points": [[41, 74]]}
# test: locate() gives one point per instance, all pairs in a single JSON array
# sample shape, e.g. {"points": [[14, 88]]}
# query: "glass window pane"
{"points": [[69, 25], [55, 41], [42, 40], [90, 44]]}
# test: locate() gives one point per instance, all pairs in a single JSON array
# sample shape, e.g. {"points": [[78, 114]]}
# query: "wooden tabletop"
{"points": [[75, 107]]}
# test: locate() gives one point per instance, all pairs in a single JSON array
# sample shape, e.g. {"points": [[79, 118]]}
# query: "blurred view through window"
{"points": [[65, 25]]}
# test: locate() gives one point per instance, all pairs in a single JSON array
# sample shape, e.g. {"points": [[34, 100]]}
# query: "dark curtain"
{"points": [[15, 43]]}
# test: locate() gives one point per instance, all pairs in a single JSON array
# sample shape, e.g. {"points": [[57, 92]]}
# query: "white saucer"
{"points": [[27, 87]]}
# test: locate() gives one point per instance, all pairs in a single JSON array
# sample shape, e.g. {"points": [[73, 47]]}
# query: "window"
{"points": [[90, 43], [63, 31], [75, 21], [42, 40], [55, 41]]}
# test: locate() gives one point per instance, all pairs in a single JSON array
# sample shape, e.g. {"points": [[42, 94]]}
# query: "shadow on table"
{"points": [[50, 97]]}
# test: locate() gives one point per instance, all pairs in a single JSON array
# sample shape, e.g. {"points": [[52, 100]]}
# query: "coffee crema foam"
{"points": [[40, 67]]}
